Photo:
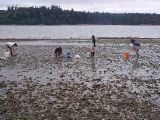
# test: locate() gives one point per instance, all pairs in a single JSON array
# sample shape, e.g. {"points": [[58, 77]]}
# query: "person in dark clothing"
{"points": [[136, 47], [93, 40], [58, 52]]}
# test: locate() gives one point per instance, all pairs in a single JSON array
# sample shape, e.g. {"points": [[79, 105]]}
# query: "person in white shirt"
{"points": [[10, 47]]}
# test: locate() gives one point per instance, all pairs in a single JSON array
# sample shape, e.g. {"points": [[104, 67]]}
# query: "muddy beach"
{"points": [[35, 85]]}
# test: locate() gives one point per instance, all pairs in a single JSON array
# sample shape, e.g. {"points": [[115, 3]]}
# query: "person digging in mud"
{"points": [[10, 47], [136, 47], [58, 52]]}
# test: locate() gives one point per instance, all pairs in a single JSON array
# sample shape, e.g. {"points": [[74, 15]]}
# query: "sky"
{"points": [[112, 6]]}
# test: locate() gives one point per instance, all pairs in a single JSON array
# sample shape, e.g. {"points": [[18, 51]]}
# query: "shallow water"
{"points": [[78, 31], [53, 42]]}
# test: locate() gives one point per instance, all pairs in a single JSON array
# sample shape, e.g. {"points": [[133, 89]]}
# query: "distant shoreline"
{"points": [[77, 25]]}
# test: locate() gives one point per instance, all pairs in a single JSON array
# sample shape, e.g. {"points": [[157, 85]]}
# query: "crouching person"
{"points": [[136, 47], [10, 46], [58, 52]]}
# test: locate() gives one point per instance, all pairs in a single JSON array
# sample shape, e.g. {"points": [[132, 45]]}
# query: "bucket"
{"points": [[6, 54], [77, 56], [69, 55], [126, 55]]}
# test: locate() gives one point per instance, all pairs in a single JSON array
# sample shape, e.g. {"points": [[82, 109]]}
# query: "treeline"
{"points": [[54, 15]]}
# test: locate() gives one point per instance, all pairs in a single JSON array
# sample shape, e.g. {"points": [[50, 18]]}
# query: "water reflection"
{"points": [[77, 31], [136, 64], [93, 67]]}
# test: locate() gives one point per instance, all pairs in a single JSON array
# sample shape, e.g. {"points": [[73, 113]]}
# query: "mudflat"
{"points": [[36, 85]]}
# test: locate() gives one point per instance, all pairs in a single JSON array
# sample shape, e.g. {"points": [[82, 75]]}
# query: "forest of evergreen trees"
{"points": [[54, 15]]}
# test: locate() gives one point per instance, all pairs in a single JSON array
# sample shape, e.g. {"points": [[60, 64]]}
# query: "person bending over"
{"points": [[10, 47], [136, 47], [58, 52]]}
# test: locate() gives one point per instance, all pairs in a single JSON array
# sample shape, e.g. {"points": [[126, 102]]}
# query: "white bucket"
{"points": [[6, 54], [77, 56]]}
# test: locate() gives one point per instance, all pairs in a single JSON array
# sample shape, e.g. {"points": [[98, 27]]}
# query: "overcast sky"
{"points": [[114, 6]]}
